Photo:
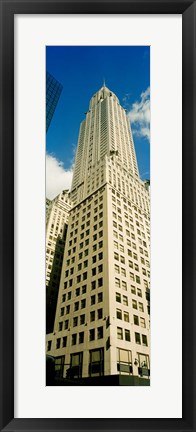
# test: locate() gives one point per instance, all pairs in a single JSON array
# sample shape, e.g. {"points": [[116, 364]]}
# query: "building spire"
{"points": [[104, 82]]}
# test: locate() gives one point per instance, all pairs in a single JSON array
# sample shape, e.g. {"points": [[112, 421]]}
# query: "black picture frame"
{"points": [[7, 11]]}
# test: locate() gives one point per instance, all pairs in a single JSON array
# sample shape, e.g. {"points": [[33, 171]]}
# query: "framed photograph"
{"points": [[84, 72]]}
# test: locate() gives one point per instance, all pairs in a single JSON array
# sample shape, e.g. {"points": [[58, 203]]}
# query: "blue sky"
{"points": [[81, 70]]}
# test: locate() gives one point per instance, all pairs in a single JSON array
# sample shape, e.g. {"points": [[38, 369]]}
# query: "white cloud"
{"points": [[139, 115], [57, 178]]}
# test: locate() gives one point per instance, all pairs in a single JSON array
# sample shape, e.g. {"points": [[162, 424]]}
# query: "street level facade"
{"points": [[102, 322]]}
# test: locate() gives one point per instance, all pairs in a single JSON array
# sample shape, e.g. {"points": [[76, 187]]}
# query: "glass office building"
{"points": [[53, 92]]}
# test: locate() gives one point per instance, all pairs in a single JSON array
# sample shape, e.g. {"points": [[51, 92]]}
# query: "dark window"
{"points": [[74, 339], [58, 343], [92, 316], [76, 306], [137, 338], [82, 319], [75, 321], [64, 341], [100, 333], [100, 313], [127, 335], [83, 303], [93, 300], [93, 285], [92, 334], [100, 297], [81, 337]]}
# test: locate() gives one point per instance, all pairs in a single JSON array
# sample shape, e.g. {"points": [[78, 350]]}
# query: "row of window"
{"points": [[124, 300], [124, 334], [97, 298]]}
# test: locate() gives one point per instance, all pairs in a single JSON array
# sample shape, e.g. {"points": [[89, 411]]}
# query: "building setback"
{"points": [[102, 325], [57, 212]]}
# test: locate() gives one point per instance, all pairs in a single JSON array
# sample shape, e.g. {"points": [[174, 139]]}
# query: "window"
{"points": [[137, 278], [81, 337], [100, 297], [135, 319], [99, 332], [63, 298], [116, 244], [117, 282], [76, 306], [133, 289], [74, 339], [119, 333], [49, 346], [141, 307], [100, 282], [75, 321], [139, 292], [83, 303], [118, 314], [116, 256], [144, 340], [134, 304], [100, 314], [77, 292], [127, 335], [131, 276], [94, 271], [100, 255], [123, 271], [96, 362], [124, 363], [60, 325], [124, 285], [85, 276], [66, 324], [118, 297], [137, 338], [69, 295], [91, 334], [126, 316], [117, 268], [84, 289], [93, 300], [93, 285], [125, 300], [94, 259], [58, 343], [142, 322], [92, 316], [64, 341], [82, 319], [100, 268], [62, 311], [122, 259], [75, 370]]}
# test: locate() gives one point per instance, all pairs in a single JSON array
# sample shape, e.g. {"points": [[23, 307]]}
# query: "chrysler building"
{"points": [[102, 326]]}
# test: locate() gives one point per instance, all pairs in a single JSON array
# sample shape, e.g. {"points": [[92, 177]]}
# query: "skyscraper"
{"points": [[101, 332], [53, 92], [57, 213]]}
